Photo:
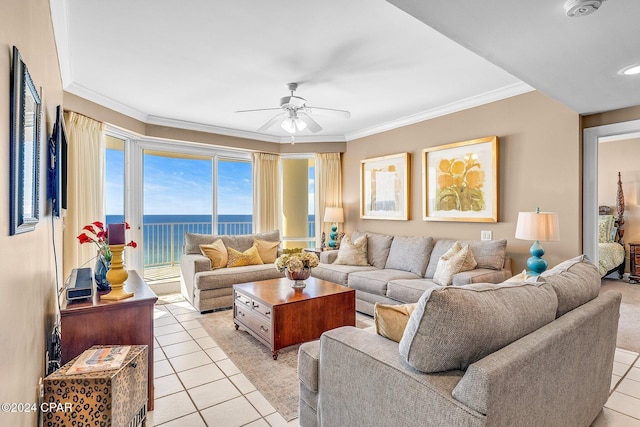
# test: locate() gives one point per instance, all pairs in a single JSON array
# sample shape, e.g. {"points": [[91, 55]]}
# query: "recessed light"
{"points": [[630, 70]]}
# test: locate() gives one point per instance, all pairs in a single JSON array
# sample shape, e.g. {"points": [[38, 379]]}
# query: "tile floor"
{"points": [[197, 385]]}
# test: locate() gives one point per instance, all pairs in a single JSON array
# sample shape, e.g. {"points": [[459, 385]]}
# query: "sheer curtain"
{"points": [[85, 187], [328, 188], [266, 192]]}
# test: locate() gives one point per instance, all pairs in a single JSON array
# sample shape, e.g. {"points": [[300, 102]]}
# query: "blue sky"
{"points": [[174, 186]]}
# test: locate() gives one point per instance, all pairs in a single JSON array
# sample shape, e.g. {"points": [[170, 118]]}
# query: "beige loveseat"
{"points": [[401, 268], [519, 354], [209, 289]]}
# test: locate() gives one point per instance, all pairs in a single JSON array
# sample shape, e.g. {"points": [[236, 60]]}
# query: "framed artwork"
{"points": [[26, 121], [384, 187], [460, 181]]}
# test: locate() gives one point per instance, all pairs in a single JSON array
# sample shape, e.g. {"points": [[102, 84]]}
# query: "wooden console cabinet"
{"points": [[90, 322]]}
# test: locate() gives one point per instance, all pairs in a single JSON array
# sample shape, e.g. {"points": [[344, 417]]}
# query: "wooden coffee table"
{"points": [[279, 316]]}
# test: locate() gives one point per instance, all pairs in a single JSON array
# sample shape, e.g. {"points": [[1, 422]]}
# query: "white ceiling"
{"points": [[162, 62]]}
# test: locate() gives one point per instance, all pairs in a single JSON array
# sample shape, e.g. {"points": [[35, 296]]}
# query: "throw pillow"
{"points": [[216, 252], [391, 320], [239, 259], [520, 277], [352, 253], [575, 282], [268, 250], [454, 261], [455, 326]]}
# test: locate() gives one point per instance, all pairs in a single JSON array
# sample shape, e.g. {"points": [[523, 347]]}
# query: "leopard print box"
{"points": [[114, 398]]}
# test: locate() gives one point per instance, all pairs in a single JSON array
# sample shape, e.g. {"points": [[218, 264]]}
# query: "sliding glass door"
{"points": [[165, 189], [234, 196], [177, 193]]}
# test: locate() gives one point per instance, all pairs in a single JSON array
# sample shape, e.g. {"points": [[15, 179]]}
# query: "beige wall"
{"points": [[540, 163], [621, 156], [27, 263], [611, 117]]}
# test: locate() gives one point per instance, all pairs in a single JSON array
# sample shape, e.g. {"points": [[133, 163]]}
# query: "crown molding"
{"points": [[106, 102], [201, 127], [474, 101]]}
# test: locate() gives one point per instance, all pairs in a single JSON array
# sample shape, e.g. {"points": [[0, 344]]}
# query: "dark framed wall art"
{"points": [[26, 123]]}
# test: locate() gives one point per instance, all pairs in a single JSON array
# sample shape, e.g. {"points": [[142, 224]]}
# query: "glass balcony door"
{"points": [[164, 189], [178, 198]]}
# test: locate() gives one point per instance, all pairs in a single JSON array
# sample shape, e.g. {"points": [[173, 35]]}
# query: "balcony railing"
{"points": [[163, 242]]}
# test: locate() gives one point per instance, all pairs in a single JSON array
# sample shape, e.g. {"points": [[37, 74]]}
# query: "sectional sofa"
{"points": [[401, 268], [514, 354]]}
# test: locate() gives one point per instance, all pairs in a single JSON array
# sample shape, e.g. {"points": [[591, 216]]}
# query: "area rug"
{"points": [[629, 325], [277, 380]]}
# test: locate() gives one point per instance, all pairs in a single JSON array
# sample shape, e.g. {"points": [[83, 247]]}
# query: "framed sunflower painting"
{"points": [[460, 181]]}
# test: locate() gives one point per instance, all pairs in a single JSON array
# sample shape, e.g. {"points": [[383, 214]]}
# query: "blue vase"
{"points": [[100, 274]]}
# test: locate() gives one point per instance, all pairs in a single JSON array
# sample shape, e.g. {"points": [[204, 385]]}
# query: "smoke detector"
{"points": [[575, 8]]}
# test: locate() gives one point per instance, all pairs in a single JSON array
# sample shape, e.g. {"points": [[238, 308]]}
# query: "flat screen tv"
{"points": [[57, 168]]}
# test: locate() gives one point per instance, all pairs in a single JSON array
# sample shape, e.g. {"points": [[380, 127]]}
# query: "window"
{"points": [[235, 197], [298, 202], [165, 189], [114, 180]]}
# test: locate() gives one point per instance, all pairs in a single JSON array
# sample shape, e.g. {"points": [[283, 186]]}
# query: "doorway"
{"points": [[592, 137]]}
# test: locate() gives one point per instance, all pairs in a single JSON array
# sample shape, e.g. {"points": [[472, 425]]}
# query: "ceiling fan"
{"points": [[295, 114]]}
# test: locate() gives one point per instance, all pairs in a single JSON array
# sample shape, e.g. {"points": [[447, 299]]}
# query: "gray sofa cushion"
{"points": [[378, 246], [227, 277], [575, 281], [337, 273], [409, 291], [453, 327], [410, 253], [192, 241], [481, 275], [375, 281], [487, 253], [308, 356]]}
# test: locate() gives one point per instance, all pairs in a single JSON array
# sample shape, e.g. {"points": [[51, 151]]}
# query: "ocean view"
{"points": [[164, 234]]}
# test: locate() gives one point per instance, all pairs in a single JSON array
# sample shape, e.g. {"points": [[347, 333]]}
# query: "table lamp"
{"points": [[334, 216], [540, 227]]}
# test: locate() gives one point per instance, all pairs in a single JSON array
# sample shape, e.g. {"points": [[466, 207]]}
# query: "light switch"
{"points": [[486, 235]]}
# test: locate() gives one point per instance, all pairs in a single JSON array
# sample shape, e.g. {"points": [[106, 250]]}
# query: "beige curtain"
{"points": [[266, 192], [328, 190], [85, 187]]}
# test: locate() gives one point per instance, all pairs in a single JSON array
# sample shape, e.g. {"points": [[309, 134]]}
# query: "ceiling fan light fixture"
{"points": [[293, 124]]}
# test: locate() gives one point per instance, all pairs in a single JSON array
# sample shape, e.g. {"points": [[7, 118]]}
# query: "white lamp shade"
{"points": [[333, 215], [541, 226]]}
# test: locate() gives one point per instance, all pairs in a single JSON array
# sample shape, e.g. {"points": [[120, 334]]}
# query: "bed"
{"points": [[611, 250]]}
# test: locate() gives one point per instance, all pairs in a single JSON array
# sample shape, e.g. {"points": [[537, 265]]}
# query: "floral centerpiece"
{"points": [[297, 265], [97, 234]]}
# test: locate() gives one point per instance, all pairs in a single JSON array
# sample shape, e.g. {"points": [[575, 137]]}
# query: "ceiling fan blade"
{"points": [[343, 114], [258, 109], [312, 125], [275, 119]]}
